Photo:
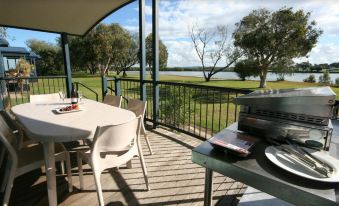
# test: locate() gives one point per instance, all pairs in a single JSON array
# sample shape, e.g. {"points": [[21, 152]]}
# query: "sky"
{"points": [[177, 16]]}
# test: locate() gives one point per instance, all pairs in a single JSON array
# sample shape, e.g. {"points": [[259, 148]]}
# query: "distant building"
{"points": [[9, 57]]}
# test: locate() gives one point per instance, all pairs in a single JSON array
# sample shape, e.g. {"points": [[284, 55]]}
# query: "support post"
{"points": [[142, 50], [67, 63], [117, 87], [103, 86], [3, 88], [155, 55]]}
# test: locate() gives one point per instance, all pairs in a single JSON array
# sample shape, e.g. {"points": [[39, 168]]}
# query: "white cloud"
{"points": [[177, 16]]}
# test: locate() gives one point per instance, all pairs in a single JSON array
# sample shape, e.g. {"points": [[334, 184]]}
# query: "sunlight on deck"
{"points": [[174, 180]]}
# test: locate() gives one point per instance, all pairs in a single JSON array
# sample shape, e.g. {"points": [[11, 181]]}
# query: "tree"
{"points": [[163, 54], [268, 37], [246, 68], [282, 68], [335, 65], [104, 47], [51, 57], [212, 46], [3, 32], [304, 66]]}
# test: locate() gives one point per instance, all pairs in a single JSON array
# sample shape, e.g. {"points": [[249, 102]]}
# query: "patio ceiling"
{"points": [[75, 17]]}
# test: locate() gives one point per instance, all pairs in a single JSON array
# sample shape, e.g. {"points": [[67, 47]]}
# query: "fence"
{"points": [[197, 110], [16, 90]]}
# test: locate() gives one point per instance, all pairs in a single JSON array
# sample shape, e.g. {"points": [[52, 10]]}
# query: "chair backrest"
{"points": [[115, 138], [137, 106], [113, 100], [36, 98]]}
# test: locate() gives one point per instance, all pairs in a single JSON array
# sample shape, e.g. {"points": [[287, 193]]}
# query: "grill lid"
{"points": [[315, 101]]}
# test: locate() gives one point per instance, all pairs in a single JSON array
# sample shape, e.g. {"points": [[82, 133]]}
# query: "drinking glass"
{"points": [[62, 95], [80, 95]]}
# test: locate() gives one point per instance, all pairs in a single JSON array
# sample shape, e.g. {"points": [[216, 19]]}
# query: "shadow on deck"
{"points": [[174, 180]]}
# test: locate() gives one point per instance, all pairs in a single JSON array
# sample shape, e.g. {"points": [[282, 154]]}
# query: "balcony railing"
{"points": [[197, 110], [16, 90]]}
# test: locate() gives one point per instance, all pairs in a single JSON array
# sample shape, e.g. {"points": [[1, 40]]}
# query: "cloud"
{"points": [[175, 17]]}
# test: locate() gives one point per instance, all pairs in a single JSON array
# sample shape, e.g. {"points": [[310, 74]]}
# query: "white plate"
{"points": [[58, 110], [283, 160]]}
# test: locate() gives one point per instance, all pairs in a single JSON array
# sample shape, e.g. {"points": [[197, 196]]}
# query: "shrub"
{"points": [[337, 82], [246, 68], [310, 79], [325, 78]]}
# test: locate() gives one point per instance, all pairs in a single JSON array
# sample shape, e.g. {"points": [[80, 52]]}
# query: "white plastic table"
{"points": [[42, 123]]}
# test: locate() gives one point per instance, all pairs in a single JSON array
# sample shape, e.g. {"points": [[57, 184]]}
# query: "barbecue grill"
{"points": [[301, 114]]}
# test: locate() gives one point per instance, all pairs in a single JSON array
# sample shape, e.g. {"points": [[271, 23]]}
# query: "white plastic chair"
{"points": [[139, 109], [113, 146], [113, 100], [36, 98], [18, 162]]}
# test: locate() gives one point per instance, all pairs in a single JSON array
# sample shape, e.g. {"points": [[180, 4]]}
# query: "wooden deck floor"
{"points": [[174, 180]]}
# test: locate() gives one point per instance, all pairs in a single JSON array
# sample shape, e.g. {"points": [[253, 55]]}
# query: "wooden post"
{"points": [[67, 63], [142, 50], [155, 55]]}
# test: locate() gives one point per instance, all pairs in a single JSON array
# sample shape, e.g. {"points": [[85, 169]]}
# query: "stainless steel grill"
{"points": [[302, 114]]}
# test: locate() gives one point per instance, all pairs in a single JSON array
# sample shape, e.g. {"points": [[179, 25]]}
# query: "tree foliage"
{"points": [[104, 47], [282, 68], [268, 37], [3, 32], [325, 78], [51, 57], [213, 46], [163, 54], [246, 68]]}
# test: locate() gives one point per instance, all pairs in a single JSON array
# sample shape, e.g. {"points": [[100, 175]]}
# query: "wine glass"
{"points": [[62, 95], [79, 95]]}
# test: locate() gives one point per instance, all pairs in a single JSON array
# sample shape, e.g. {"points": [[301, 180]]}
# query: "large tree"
{"points": [[268, 37], [51, 57], [104, 47], [163, 54], [213, 46]]}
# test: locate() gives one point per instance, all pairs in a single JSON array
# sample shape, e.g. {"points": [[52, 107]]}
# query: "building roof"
{"points": [[14, 50], [63, 16], [3, 42]]}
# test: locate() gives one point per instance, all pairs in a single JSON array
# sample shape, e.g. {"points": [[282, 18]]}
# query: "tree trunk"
{"points": [[124, 74], [263, 75]]}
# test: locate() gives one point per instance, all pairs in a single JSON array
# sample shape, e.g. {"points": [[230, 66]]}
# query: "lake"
{"points": [[296, 77]]}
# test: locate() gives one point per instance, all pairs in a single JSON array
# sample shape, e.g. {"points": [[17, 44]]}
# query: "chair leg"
{"points": [[129, 164], [9, 184], [98, 186], [79, 160], [143, 166], [69, 172], [62, 166], [148, 144]]}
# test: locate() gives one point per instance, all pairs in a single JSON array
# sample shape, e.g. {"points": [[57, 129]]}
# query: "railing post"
{"points": [[155, 73], [103, 86], [117, 86], [142, 50]]}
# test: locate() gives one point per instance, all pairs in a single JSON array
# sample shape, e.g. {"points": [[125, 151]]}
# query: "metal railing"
{"points": [[16, 90], [88, 89], [197, 110]]}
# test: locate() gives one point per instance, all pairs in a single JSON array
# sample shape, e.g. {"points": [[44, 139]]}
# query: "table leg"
{"points": [[50, 172], [208, 187]]}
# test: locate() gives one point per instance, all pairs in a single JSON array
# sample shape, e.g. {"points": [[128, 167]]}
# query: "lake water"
{"points": [[296, 77]]}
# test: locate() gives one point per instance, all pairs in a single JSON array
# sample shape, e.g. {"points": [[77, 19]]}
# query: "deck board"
{"points": [[174, 180]]}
